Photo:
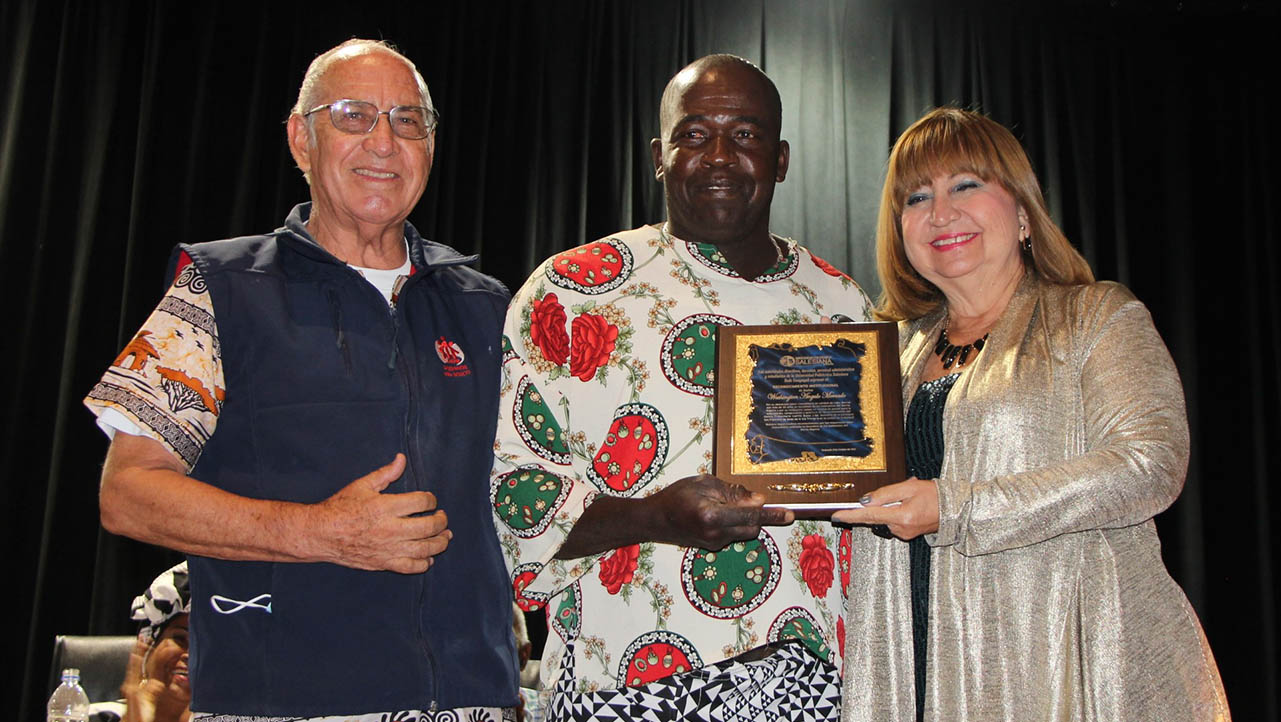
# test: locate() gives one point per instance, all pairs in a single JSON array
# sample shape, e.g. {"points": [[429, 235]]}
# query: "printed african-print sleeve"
{"points": [[168, 379], [538, 482]]}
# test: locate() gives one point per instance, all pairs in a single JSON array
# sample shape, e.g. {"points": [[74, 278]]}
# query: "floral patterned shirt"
{"points": [[607, 389]]}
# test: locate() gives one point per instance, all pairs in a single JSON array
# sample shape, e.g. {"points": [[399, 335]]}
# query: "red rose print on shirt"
{"points": [[619, 567], [826, 267], [594, 339], [547, 329], [817, 563]]}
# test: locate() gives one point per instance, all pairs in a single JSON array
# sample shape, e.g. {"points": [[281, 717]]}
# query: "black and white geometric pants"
{"points": [[790, 685]]}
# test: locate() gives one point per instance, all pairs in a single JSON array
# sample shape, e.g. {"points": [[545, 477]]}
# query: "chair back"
{"points": [[100, 659]]}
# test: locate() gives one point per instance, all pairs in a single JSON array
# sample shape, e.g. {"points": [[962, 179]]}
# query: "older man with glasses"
{"points": [[280, 367]]}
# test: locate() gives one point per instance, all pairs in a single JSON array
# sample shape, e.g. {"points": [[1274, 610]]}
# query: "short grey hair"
{"points": [[309, 92]]}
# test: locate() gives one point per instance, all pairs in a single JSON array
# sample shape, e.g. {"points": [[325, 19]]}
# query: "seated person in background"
{"points": [[156, 686], [530, 710], [524, 648]]}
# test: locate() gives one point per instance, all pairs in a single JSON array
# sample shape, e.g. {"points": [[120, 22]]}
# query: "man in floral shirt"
{"points": [[669, 594]]}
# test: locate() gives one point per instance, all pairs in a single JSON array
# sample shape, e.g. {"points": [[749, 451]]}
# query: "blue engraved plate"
{"points": [[805, 402]]}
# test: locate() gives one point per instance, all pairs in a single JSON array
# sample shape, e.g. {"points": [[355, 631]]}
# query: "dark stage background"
{"points": [[130, 126]]}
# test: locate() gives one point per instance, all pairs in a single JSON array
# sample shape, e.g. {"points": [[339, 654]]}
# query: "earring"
{"points": [[1026, 242]]}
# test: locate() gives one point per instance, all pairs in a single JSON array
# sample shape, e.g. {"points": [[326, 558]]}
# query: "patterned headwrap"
{"points": [[167, 597]]}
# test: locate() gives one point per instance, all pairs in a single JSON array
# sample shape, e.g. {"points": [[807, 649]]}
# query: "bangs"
{"points": [[942, 144]]}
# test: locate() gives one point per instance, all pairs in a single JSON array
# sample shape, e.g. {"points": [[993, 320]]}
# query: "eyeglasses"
{"points": [[411, 122]]}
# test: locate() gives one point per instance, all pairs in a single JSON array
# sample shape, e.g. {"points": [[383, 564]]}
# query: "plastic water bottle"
{"points": [[69, 702]]}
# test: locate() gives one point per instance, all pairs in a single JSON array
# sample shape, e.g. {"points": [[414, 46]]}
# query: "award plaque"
{"points": [[810, 416]]}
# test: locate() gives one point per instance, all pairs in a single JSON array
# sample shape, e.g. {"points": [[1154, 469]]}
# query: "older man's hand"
{"points": [[367, 529], [147, 495]]}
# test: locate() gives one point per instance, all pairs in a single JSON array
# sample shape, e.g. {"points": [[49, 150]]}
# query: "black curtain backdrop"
{"points": [[130, 126]]}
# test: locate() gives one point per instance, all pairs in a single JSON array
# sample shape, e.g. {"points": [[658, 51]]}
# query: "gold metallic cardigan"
{"points": [[1048, 596]]}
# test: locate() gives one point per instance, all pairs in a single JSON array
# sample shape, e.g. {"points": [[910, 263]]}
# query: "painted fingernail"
{"points": [[865, 499]]}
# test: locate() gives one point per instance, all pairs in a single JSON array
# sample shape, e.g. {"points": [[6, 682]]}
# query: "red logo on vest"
{"points": [[451, 354]]}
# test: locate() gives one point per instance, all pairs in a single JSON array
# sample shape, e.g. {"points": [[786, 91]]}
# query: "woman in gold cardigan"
{"points": [[1045, 429]]}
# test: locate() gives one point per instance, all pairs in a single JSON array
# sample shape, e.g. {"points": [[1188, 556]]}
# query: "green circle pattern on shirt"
{"points": [[537, 425], [568, 613], [733, 581], [799, 623], [710, 255], [689, 353], [527, 499]]}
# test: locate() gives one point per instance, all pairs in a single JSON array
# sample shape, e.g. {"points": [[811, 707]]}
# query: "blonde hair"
{"points": [[944, 142]]}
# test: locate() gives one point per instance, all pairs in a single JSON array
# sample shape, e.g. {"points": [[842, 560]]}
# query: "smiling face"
{"points": [[372, 180], [720, 154], [167, 660], [960, 229]]}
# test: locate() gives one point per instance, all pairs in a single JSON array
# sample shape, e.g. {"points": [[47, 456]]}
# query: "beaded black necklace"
{"points": [[950, 354]]}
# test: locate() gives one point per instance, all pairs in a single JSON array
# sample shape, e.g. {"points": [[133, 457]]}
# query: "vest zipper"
{"points": [[408, 377], [340, 339]]}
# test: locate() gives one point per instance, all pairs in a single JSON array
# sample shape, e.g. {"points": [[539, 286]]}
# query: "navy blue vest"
{"points": [[325, 383]]}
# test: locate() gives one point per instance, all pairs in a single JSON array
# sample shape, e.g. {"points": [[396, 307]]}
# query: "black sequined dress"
{"points": [[923, 442]]}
